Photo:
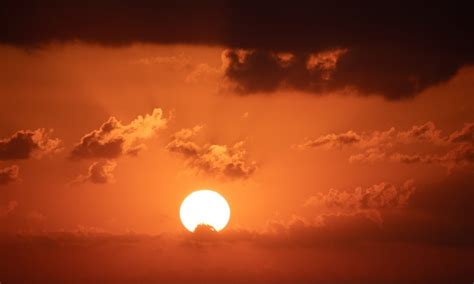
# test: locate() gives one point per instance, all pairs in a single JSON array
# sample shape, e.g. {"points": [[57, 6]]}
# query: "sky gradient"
{"points": [[344, 148]]}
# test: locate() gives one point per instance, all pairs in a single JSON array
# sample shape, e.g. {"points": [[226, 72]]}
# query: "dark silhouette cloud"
{"points": [[27, 143], [9, 175], [392, 49]]}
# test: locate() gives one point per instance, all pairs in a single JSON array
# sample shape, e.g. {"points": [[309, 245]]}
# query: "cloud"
{"points": [[376, 52], [368, 70], [4, 211], [458, 157], [465, 135], [457, 149], [181, 142], [378, 139], [423, 133], [9, 175], [405, 158], [460, 153], [368, 201], [99, 172], [28, 143], [333, 140], [351, 138], [371, 155], [222, 160], [114, 139]]}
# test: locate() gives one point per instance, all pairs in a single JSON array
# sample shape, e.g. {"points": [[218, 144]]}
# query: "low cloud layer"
{"points": [[221, 160], [423, 228], [25, 144], [114, 139]]}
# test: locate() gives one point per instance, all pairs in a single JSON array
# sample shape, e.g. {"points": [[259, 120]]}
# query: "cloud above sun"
{"points": [[114, 139], [229, 161], [25, 144], [338, 50]]}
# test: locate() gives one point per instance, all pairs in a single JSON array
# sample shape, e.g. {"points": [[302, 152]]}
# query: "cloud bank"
{"points": [[377, 52]]}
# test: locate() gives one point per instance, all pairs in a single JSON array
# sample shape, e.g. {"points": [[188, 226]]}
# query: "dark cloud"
{"points": [[392, 49], [9, 175], [114, 139], [27, 143], [221, 160], [368, 70], [99, 172]]}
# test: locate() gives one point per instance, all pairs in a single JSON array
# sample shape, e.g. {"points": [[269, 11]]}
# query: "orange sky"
{"points": [[296, 171]]}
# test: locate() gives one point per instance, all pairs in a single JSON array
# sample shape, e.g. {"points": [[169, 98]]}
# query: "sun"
{"points": [[205, 207]]}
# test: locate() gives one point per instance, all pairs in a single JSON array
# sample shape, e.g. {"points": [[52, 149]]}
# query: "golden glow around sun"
{"points": [[204, 207]]}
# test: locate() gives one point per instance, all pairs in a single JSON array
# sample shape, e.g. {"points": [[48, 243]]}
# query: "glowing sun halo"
{"points": [[204, 207]]}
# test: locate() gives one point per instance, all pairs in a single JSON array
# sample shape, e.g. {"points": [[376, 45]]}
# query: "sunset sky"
{"points": [[341, 135]]}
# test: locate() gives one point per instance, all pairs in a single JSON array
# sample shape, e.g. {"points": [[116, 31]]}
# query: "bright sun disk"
{"points": [[204, 207]]}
